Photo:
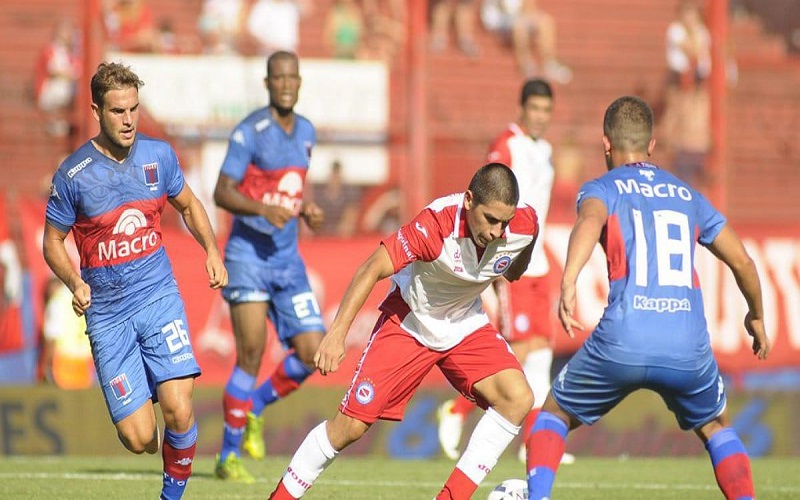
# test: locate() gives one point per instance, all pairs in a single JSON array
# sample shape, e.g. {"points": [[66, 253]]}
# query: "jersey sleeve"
{"points": [[525, 221], [421, 239], [592, 189], [240, 152], [61, 212], [499, 151], [711, 221], [175, 179]]}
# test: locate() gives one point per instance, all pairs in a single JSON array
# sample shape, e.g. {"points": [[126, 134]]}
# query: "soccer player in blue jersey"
{"points": [[653, 334], [110, 193], [261, 182]]}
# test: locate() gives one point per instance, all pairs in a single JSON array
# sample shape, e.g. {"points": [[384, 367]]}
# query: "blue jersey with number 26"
{"points": [[655, 311]]}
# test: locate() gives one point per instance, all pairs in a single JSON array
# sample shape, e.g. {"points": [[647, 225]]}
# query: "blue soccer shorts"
{"points": [[589, 386], [293, 308], [134, 356]]}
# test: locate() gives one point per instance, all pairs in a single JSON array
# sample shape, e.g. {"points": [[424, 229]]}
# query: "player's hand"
{"points": [[755, 327], [566, 309], [217, 274], [330, 353], [81, 298], [277, 216], [313, 215]]}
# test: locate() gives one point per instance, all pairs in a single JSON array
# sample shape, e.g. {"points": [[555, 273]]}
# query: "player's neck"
{"points": [[284, 117], [108, 149], [625, 158]]}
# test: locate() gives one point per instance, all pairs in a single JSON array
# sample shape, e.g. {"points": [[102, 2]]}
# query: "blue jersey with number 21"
{"points": [[655, 311]]}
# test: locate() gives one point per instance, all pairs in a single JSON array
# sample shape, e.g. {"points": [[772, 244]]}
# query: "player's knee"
{"points": [[344, 430], [135, 440], [180, 418]]}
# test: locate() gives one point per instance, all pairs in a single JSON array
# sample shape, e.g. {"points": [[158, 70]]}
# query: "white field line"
{"points": [[124, 476]]}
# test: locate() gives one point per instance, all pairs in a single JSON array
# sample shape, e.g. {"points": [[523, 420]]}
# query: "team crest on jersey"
{"points": [[365, 392], [120, 386], [501, 264], [151, 175]]}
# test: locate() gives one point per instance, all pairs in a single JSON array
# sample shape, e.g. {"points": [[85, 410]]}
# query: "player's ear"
{"points": [[651, 146], [469, 199]]}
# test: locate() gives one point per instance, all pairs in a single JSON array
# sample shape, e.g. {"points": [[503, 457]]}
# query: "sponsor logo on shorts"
{"points": [[120, 386], [182, 357], [660, 305], [365, 392]]}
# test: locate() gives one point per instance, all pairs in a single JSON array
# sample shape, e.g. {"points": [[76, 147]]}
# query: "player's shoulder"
{"points": [[525, 220], [302, 121], [153, 144], [83, 157], [450, 201]]}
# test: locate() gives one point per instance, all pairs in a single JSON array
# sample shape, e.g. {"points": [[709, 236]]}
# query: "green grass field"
{"points": [[380, 478]]}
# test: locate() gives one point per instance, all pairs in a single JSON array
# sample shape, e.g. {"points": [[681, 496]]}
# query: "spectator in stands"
{"points": [[57, 70], [220, 26], [275, 24], [344, 27], [384, 29], [130, 26], [382, 213], [340, 202], [686, 121], [527, 27], [66, 354], [460, 13]]}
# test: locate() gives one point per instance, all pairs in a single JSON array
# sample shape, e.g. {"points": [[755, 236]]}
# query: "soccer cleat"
{"points": [[253, 439], [450, 427], [232, 469]]}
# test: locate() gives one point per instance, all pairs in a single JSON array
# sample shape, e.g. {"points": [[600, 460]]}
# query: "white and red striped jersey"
{"points": [[440, 272], [531, 161]]}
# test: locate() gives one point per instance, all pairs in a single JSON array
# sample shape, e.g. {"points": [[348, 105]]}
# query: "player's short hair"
{"points": [[281, 54], [494, 182], [112, 76], [628, 124], [535, 87]]}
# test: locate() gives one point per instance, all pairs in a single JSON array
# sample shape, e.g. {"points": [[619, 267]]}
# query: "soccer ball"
{"points": [[510, 489]]}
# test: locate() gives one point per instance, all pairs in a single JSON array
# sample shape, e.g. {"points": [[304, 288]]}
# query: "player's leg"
{"points": [[248, 320], [162, 330], [585, 390], [699, 402], [121, 376], [316, 452], [392, 361], [483, 367], [180, 435], [297, 318]]}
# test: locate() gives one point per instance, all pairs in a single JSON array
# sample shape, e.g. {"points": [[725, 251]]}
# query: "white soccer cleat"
{"points": [[450, 428]]}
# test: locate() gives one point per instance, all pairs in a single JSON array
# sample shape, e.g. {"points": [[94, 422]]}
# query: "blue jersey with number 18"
{"points": [[655, 311]]}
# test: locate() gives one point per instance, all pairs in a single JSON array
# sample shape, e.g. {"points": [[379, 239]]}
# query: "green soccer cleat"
{"points": [[232, 469], [253, 439]]}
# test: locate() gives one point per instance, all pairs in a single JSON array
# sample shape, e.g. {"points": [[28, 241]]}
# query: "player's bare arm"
{"points": [[55, 254], [312, 214], [520, 264], [331, 350], [729, 249], [196, 220], [592, 217], [228, 197]]}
